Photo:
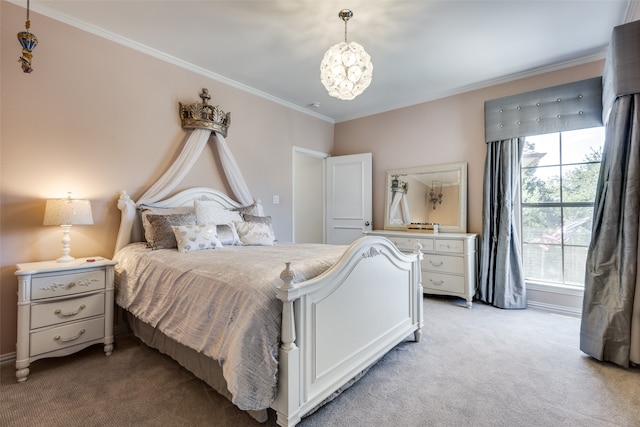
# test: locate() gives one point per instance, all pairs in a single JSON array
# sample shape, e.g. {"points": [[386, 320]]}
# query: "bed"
{"points": [[267, 324], [336, 310]]}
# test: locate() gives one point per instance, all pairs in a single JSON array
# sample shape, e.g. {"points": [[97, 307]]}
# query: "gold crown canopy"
{"points": [[201, 115]]}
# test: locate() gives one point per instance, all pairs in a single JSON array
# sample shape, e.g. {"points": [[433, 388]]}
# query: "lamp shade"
{"points": [[68, 212]]}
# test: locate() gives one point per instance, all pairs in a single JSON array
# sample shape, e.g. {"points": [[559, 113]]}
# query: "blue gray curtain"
{"points": [[501, 280], [611, 283]]}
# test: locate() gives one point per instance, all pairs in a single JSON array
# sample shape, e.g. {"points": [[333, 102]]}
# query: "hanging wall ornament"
{"points": [[28, 41]]}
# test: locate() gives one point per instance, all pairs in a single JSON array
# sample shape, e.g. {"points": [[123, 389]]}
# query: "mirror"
{"points": [[417, 198]]}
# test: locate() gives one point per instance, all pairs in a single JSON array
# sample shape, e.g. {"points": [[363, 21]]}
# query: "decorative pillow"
{"points": [[254, 233], [150, 210], [252, 209], [160, 234], [261, 220], [196, 237], [228, 235], [209, 211]]}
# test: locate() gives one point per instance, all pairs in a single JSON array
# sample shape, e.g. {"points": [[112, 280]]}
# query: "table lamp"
{"points": [[65, 213]]}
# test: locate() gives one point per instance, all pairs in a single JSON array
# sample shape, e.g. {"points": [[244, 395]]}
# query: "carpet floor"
{"points": [[474, 367]]}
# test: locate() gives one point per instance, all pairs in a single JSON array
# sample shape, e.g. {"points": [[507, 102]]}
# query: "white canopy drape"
{"points": [[178, 170]]}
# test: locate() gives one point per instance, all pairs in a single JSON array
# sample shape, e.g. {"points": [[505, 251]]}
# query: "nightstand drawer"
{"points": [[443, 283], [67, 284], [66, 336], [450, 246], [52, 313], [443, 263]]}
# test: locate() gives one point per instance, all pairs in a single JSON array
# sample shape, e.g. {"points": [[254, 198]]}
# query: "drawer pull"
{"points": [[437, 282], [59, 312], [436, 265], [59, 338]]}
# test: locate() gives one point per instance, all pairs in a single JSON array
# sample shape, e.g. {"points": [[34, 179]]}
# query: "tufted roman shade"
{"points": [[561, 108]]}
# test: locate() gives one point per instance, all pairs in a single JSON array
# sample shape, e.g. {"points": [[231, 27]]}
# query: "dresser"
{"points": [[63, 308], [449, 261]]}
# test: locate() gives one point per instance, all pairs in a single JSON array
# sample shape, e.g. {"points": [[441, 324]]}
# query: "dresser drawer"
{"points": [[60, 311], [408, 244], [443, 283], [67, 284], [450, 246], [66, 335], [443, 263]]}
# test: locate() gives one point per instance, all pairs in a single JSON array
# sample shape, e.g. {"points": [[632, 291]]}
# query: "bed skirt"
{"points": [[203, 367]]}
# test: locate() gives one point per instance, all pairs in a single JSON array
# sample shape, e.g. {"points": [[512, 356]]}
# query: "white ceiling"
{"points": [[421, 49]]}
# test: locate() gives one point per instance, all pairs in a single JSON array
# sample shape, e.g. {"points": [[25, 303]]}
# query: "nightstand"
{"points": [[63, 308]]}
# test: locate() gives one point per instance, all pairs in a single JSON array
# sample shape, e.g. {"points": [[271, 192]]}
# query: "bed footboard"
{"points": [[341, 322]]}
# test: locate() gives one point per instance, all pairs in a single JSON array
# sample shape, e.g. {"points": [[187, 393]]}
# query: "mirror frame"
{"points": [[461, 168]]}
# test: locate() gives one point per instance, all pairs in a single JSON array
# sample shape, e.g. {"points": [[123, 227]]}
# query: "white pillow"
{"points": [[209, 211], [254, 234], [196, 237]]}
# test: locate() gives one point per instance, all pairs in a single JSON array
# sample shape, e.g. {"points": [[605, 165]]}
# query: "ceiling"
{"points": [[421, 49]]}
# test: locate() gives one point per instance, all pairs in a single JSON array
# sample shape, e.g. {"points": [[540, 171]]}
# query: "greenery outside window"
{"points": [[559, 175]]}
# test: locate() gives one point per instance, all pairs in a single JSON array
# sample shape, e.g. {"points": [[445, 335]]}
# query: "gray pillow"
{"points": [[160, 234]]}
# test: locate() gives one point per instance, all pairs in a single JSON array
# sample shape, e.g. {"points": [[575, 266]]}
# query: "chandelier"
{"points": [[346, 69]]}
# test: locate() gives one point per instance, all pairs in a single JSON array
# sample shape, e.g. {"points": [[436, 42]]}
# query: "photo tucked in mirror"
{"points": [[427, 198]]}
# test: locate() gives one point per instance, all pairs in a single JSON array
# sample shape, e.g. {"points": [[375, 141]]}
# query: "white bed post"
{"points": [[287, 403], [417, 270]]}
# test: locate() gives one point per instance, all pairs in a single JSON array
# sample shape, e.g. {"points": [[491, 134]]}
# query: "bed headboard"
{"points": [[131, 220]]}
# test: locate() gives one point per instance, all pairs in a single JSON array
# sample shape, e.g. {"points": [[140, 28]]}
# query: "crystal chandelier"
{"points": [[346, 69]]}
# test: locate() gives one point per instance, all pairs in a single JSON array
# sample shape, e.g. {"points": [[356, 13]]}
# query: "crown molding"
{"points": [[140, 47]]}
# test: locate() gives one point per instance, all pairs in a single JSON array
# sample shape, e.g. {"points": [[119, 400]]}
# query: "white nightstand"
{"points": [[63, 308]]}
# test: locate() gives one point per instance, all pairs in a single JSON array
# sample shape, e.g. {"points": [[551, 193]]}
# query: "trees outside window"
{"points": [[559, 175]]}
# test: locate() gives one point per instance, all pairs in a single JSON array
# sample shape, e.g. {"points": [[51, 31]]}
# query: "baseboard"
{"points": [[556, 309], [7, 358]]}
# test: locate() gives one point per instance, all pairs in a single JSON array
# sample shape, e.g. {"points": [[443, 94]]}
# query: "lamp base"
{"points": [[65, 258]]}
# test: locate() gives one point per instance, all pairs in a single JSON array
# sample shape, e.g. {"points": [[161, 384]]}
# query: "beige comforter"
{"points": [[220, 302]]}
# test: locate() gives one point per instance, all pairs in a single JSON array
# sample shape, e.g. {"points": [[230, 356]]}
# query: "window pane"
{"points": [[543, 263], [541, 150], [541, 225], [577, 225], [575, 260], [579, 182], [541, 184], [584, 145]]}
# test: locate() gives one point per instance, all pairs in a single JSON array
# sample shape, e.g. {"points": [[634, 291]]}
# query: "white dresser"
{"points": [[63, 308], [449, 263]]}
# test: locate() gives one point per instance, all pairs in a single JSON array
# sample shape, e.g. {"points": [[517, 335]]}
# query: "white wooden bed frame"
{"points": [[335, 325]]}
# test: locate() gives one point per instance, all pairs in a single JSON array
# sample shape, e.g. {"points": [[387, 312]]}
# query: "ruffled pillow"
{"points": [[254, 234], [196, 237], [159, 234], [209, 211]]}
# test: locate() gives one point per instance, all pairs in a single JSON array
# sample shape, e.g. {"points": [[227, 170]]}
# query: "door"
{"points": [[349, 198]]}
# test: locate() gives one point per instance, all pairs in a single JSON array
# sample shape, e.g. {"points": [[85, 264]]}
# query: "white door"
{"points": [[349, 198]]}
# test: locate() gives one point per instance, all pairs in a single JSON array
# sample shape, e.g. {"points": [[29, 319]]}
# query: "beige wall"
{"points": [[95, 118], [448, 130]]}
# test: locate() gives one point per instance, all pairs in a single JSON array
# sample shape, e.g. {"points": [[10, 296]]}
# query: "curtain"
{"points": [[501, 273], [232, 172], [609, 329]]}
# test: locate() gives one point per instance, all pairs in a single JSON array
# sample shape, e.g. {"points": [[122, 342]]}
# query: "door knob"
{"points": [[366, 223]]}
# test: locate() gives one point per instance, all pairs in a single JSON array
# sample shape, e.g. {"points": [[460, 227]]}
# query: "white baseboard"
{"points": [[556, 309], [7, 358]]}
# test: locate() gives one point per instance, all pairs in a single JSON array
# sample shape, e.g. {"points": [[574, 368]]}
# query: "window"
{"points": [[559, 175]]}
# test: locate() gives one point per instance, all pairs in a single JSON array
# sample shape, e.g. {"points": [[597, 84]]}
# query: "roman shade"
{"points": [[560, 108]]}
